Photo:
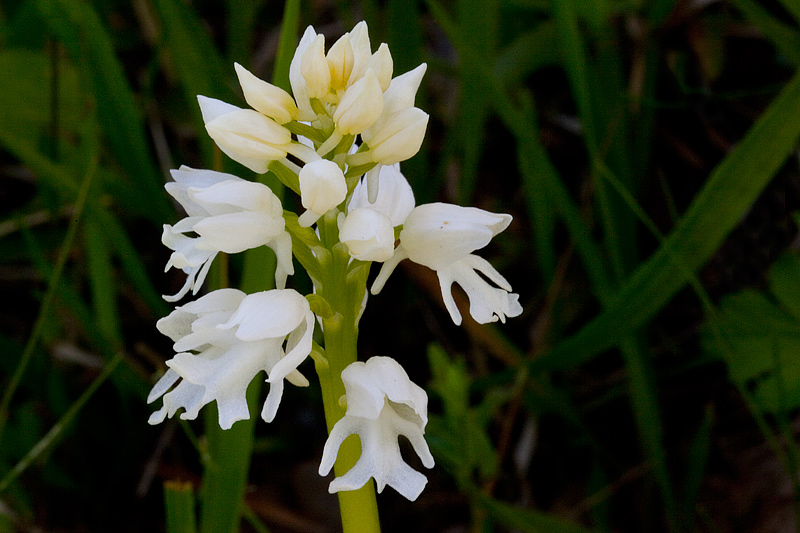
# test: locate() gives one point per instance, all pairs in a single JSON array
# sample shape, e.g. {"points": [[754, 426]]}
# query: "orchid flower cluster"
{"points": [[337, 143]]}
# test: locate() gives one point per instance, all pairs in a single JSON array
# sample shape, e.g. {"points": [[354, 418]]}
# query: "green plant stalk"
{"points": [[343, 288]]}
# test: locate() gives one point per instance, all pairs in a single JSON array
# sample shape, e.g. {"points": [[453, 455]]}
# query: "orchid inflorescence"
{"points": [[337, 143]]}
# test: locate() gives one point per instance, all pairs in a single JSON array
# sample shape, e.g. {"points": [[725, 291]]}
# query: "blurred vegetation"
{"points": [[647, 151]]}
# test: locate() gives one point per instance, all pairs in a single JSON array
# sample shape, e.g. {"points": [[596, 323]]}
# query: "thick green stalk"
{"points": [[343, 286]]}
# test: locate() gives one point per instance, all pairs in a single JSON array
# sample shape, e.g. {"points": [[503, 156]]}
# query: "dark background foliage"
{"points": [[647, 151]]}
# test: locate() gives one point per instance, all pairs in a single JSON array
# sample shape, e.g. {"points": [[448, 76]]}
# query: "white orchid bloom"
{"points": [[315, 70], [362, 51], [360, 106], [296, 79], [382, 404], [228, 214], [368, 234], [266, 98], [322, 187], [443, 237], [368, 229], [245, 135], [340, 59], [224, 340], [385, 189], [397, 134]]}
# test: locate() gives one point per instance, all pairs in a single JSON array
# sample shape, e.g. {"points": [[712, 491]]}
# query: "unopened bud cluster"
{"points": [[337, 142]]}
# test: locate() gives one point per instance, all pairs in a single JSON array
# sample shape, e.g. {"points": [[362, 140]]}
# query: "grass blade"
{"points": [[51, 438], [79, 28], [197, 61], [101, 281], [49, 296], [179, 504], [290, 26], [784, 37], [732, 187]]}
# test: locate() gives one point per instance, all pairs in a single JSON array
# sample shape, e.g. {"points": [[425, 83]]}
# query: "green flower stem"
{"points": [[343, 285]]}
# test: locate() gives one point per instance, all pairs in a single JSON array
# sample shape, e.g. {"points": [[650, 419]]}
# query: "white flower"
{"points": [[368, 229], [382, 404], [443, 237], [362, 51], [340, 62], [233, 336], [400, 95], [228, 214], [315, 70], [397, 134], [266, 98], [296, 79], [382, 64], [386, 190], [360, 106], [399, 137], [245, 135], [322, 187], [368, 234]]}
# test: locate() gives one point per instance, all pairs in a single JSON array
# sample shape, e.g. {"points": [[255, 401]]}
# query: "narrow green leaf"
{"points": [[647, 415], [792, 7], [179, 504], [78, 27], [527, 520], [25, 106], [479, 20], [696, 467], [784, 37], [51, 438], [526, 54], [784, 277], [47, 301], [528, 141], [290, 26], [241, 20], [226, 471], [730, 190], [537, 171], [197, 61], [102, 283], [404, 29]]}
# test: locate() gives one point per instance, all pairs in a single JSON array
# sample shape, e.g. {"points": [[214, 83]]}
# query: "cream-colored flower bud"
{"points": [[400, 137], [360, 106], [399, 96], [322, 187], [244, 135], [368, 234], [266, 98], [362, 51], [296, 79], [340, 61], [381, 62], [314, 68], [403, 89]]}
